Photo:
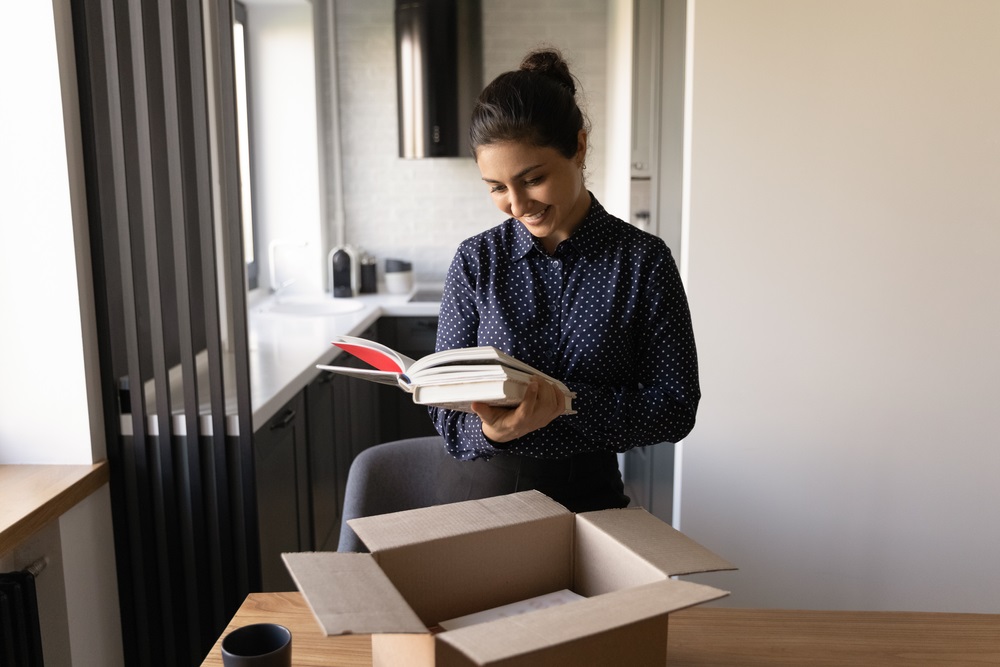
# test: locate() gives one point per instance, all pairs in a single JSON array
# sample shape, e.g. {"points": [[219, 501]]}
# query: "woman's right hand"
{"points": [[542, 403]]}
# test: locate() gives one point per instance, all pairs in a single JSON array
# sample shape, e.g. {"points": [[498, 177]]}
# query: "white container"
{"points": [[399, 282]]}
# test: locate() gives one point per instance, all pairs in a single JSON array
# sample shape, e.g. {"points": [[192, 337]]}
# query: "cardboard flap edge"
{"points": [[657, 542], [514, 636], [383, 532], [349, 594]]}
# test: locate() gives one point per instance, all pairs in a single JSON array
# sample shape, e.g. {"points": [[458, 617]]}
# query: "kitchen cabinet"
{"points": [[302, 457], [343, 420], [281, 470], [415, 337], [645, 86], [328, 421], [303, 454]]}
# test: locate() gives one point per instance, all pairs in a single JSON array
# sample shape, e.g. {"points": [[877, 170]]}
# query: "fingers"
{"points": [[486, 412], [498, 424], [546, 401], [541, 404]]}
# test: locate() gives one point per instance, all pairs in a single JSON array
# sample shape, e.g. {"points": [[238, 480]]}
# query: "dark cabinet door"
{"points": [[330, 455], [343, 420], [415, 337], [283, 507], [362, 398]]}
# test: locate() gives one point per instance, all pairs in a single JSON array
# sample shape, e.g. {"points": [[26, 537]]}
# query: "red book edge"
{"points": [[372, 357]]}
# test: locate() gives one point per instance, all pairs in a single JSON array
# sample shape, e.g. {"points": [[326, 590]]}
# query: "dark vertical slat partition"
{"points": [[212, 453], [182, 466], [246, 498], [188, 471]]}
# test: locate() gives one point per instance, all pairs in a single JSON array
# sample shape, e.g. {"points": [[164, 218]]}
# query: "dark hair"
{"points": [[535, 103]]}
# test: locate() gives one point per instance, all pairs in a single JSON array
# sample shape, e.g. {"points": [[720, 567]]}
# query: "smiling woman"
{"points": [[538, 186], [532, 151], [570, 289]]}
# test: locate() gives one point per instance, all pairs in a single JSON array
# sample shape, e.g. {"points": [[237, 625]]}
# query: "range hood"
{"points": [[439, 73]]}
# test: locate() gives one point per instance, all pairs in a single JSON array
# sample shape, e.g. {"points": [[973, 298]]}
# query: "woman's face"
{"points": [[538, 186]]}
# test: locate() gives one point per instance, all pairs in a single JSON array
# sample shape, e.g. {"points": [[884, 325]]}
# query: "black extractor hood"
{"points": [[439, 73]]}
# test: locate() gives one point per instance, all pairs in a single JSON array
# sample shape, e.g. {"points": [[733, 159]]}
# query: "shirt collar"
{"points": [[582, 240]]}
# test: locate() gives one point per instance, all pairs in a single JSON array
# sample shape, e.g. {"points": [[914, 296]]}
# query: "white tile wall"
{"points": [[420, 210]]}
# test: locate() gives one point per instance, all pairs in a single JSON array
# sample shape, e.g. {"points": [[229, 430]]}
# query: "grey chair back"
{"points": [[401, 475]]}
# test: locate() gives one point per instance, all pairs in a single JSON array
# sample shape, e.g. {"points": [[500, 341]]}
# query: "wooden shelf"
{"points": [[33, 495]]}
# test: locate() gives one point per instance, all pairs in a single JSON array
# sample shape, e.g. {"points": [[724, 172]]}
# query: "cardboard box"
{"points": [[437, 563]]}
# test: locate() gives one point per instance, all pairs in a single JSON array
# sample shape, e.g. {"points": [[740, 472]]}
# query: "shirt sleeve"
{"points": [[658, 402], [662, 406], [458, 322]]}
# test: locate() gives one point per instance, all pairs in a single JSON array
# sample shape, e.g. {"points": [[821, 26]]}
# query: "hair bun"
{"points": [[550, 63]]}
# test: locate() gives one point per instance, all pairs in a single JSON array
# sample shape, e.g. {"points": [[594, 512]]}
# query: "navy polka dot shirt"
{"points": [[606, 314]]}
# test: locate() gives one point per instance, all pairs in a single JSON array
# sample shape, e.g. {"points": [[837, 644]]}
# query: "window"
{"points": [[241, 66]]}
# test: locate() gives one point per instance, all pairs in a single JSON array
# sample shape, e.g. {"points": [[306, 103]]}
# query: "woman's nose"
{"points": [[519, 204]]}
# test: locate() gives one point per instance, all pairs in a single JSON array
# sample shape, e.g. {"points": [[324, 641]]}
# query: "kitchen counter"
{"points": [[284, 349]]}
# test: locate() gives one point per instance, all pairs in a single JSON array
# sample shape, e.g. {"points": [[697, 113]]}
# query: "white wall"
{"points": [[420, 210], [50, 410], [844, 278], [43, 337]]}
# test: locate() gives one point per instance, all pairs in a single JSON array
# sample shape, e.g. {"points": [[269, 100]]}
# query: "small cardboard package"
{"points": [[438, 563]]}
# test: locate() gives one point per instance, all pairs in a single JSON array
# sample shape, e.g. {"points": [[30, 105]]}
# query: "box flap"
{"points": [[658, 543], [506, 638], [349, 594], [388, 531]]}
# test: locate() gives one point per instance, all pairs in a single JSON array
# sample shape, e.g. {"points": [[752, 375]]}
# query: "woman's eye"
{"points": [[533, 181], [497, 188]]}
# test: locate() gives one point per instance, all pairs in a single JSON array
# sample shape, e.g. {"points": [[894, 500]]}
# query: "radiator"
{"points": [[20, 633]]}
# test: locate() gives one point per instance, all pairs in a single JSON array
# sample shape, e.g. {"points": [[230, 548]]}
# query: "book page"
{"points": [[375, 354], [382, 377]]}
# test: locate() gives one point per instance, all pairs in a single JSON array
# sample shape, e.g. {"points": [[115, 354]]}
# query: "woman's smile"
{"points": [[534, 218], [538, 186]]}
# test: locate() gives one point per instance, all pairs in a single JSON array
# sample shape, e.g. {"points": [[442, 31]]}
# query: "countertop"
{"points": [[284, 351]]}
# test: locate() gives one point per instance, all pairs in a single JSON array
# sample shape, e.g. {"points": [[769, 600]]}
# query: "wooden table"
{"points": [[711, 636]]}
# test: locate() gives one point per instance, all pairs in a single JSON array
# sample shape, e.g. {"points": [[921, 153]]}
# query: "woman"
{"points": [[575, 292]]}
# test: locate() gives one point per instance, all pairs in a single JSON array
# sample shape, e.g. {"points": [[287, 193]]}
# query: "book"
{"points": [[452, 379]]}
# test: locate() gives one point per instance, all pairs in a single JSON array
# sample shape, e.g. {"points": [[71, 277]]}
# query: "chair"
{"points": [[401, 475]]}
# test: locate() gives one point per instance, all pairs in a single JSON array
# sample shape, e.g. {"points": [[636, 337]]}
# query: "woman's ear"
{"points": [[581, 148]]}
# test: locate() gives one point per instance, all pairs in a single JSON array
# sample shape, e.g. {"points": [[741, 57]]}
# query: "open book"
{"points": [[451, 379]]}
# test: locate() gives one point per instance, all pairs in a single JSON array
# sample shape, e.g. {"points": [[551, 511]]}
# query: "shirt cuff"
{"points": [[494, 444]]}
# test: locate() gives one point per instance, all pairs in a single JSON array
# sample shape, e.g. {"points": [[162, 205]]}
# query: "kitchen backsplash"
{"points": [[420, 210]]}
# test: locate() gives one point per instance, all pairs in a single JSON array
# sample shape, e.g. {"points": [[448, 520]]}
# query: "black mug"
{"points": [[258, 645]]}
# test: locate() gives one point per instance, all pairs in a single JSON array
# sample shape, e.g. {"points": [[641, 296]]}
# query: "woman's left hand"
{"points": [[542, 403]]}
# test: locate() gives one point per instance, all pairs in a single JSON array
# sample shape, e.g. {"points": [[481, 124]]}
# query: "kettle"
{"points": [[345, 271]]}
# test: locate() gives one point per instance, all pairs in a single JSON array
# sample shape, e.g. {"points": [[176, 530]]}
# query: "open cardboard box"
{"points": [[442, 562]]}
